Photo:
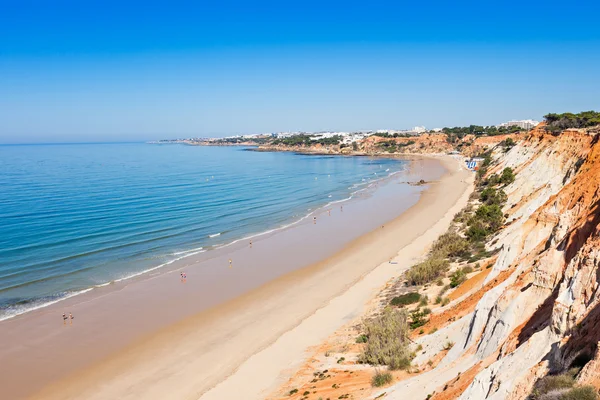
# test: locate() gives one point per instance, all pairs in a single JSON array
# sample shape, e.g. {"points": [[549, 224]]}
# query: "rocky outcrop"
{"points": [[544, 317]]}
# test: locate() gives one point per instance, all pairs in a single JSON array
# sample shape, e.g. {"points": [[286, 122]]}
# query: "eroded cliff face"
{"points": [[536, 311], [545, 316]]}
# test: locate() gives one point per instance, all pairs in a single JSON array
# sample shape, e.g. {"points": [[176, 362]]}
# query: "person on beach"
{"points": [[251, 244], [230, 263], [329, 212], [71, 318], [342, 208], [64, 319], [314, 220]]}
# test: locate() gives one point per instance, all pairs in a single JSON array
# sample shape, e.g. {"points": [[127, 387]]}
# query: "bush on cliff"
{"points": [[381, 379], [406, 299], [562, 387], [491, 216], [487, 160], [491, 196], [450, 244], [427, 270], [507, 177], [457, 277], [388, 341], [580, 393], [508, 144], [418, 318], [487, 220]]}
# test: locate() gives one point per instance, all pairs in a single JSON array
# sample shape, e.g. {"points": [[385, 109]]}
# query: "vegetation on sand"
{"points": [[562, 387], [406, 299], [427, 271], [388, 342], [381, 379]]}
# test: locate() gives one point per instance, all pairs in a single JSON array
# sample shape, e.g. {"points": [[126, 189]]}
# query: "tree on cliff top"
{"points": [[559, 122]]}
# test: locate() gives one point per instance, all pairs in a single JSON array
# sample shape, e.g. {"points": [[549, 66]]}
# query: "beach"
{"points": [[157, 342]]}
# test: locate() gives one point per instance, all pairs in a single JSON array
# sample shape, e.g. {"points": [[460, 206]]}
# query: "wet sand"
{"points": [[162, 338]]}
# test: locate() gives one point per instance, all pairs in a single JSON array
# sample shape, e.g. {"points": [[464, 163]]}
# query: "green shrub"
{"points": [[445, 301], [553, 383], [467, 269], [417, 319], [487, 220], [508, 143], [559, 122], [477, 232], [293, 391], [450, 245], [426, 310], [457, 277], [388, 340], [362, 339], [492, 180], [449, 344], [491, 196], [406, 299], [507, 176], [427, 271], [424, 301], [438, 300], [580, 393], [491, 215], [381, 379], [439, 282]]}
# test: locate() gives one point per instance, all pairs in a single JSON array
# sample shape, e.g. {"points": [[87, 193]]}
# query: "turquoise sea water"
{"points": [[76, 216]]}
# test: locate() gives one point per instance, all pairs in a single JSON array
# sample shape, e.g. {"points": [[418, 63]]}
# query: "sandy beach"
{"points": [[234, 346]]}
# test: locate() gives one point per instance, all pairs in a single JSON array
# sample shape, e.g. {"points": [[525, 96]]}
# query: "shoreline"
{"points": [[225, 322], [279, 361], [175, 263]]}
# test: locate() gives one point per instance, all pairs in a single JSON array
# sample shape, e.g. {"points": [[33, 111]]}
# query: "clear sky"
{"points": [[105, 71]]}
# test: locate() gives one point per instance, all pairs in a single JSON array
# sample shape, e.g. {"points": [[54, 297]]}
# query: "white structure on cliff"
{"points": [[524, 123]]}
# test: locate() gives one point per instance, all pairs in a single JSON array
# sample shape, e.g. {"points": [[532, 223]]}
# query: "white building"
{"points": [[524, 124]]}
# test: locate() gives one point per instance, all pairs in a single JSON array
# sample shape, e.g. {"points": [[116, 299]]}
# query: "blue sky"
{"points": [[104, 71]]}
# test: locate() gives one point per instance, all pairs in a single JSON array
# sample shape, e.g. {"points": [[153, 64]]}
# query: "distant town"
{"points": [[347, 138]]}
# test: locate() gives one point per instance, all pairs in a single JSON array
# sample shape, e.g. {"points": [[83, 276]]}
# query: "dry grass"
{"points": [[427, 271], [388, 341]]}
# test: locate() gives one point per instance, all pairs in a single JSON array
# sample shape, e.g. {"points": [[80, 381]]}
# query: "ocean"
{"points": [[78, 216]]}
